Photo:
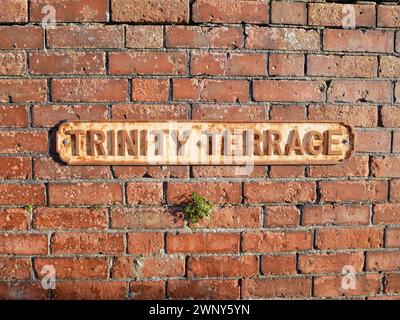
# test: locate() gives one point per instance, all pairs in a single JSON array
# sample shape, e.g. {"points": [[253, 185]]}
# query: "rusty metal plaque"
{"points": [[203, 143]]}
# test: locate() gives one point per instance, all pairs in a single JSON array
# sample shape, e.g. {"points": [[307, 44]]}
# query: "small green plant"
{"points": [[29, 207], [200, 208]]}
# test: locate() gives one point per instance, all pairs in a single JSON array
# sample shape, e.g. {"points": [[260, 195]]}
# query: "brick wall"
{"points": [[119, 232]]}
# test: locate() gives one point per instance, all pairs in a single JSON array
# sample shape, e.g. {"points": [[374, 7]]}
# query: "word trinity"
{"points": [[203, 143]]}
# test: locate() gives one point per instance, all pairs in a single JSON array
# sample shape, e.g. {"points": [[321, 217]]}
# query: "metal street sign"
{"points": [[203, 143]]}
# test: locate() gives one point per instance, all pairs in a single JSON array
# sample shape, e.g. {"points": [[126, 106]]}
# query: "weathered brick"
{"points": [[15, 168], [85, 193], [356, 166], [145, 243], [14, 11], [386, 213], [89, 243], [145, 36], [286, 171], [71, 10], [396, 141], [23, 291], [150, 112], [392, 238], [203, 37], [288, 90], [14, 219], [145, 193], [23, 244], [15, 269], [203, 242], [230, 11], [13, 116], [231, 113], [150, 89], [330, 262], [338, 191], [278, 265], [147, 290], [372, 141], [281, 64], [388, 16], [349, 238], [288, 12], [155, 11], [21, 37], [292, 191], [358, 40], [336, 214], [276, 288], [389, 67], [69, 218], [22, 194], [360, 91], [392, 283], [23, 141], [89, 90], [272, 38], [395, 190], [281, 216], [390, 116], [93, 290], [383, 261], [23, 90], [288, 112], [152, 171], [12, 63], [382, 166], [219, 192], [342, 66], [276, 241]]}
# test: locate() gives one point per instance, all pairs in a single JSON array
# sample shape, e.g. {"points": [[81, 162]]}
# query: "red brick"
{"points": [[21, 37], [356, 166], [396, 142], [278, 265], [15, 269], [90, 36], [336, 214], [23, 90], [146, 218], [211, 90], [93, 290], [47, 168], [286, 171], [23, 141], [276, 288], [281, 216], [349, 238], [13, 116], [49, 116], [382, 166], [330, 262], [148, 267], [89, 90], [74, 268], [15, 168], [357, 116], [331, 286], [145, 193], [291, 191], [383, 261], [354, 190], [14, 11], [232, 113], [87, 243], [333, 15], [218, 192], [145, 243], [12, 63], [386, 213], [66, 63], [288, 12], [14, 219], [392, 284], [372, 141], [276, 241], [390, 116], [23, 244], [389, 67], [150, 89], [147, 290], [203, 289], [281, 64], [69, 218], [145, 36], [71, 10], [272, 38], [285, 113], [342, 66], [397, 90], [203, 242], [22, 194], [203, 37], [395, 190], [229, 171], [23, 291], [222, 266], [392, 238], [287, 90], [151, 171], [233, 217], [360, 91], [230, 11], [388, 16], [85, 193], [358, 40], [163, 63], [150, 112], [154, 11]]}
